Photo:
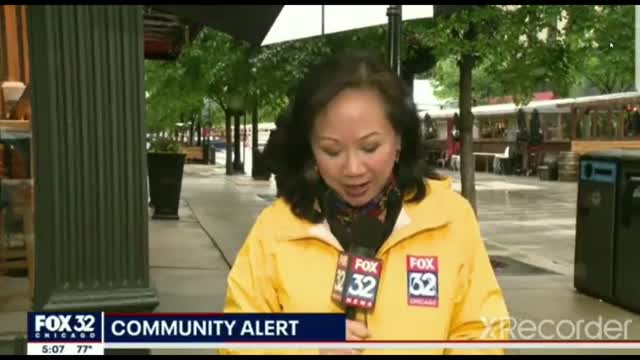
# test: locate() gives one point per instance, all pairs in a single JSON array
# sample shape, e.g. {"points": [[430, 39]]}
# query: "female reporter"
{"points": [[353, 135]]}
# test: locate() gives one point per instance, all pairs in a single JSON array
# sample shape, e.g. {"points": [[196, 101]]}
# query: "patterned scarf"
{"points": [[345, 213]]}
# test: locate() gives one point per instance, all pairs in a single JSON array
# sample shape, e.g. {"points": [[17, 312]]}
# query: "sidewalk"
{"points": [[187, 270], [528, 227]]}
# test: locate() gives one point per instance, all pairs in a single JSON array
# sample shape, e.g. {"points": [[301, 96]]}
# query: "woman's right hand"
{"points": [[356, 331]]}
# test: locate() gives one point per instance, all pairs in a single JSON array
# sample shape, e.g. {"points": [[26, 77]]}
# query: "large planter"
{"points": [[260, 170], [165, 183]]}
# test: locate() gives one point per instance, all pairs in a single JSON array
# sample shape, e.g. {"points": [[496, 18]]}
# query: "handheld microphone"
{"points": [[358, 272]]}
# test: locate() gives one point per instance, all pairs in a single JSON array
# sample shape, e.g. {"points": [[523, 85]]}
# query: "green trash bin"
{"points": [[608, 227], [595, 228], [627, 267]]}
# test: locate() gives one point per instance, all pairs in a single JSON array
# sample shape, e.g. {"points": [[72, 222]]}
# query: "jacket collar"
{"points": [[430, 213]]}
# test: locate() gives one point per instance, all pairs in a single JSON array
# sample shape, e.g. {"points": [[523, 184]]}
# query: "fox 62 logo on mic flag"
{"points": [[362, 282], [422, 280]]}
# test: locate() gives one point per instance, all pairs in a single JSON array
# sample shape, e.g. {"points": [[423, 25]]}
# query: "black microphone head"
{"points": [[362, 275], [367, 232]]}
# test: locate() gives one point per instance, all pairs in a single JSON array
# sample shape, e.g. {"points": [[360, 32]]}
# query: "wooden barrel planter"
{"points": [[568, 166], [549, 168]]}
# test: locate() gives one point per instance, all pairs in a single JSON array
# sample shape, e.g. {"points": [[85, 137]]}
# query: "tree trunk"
{"points": [[191, 128], [254, 140], [408, 76], [229, 148], [177, 129], [198, 130], [467, 166], [237, 162]]}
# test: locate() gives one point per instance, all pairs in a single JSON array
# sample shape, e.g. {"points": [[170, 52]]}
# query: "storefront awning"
{"points": [[249, 23], [168, 27]]}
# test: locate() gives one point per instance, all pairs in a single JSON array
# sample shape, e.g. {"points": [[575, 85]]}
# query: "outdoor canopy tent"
{"points": [[613, 100], [303, 21], [252, 23], [168, 28], [543, 107]]}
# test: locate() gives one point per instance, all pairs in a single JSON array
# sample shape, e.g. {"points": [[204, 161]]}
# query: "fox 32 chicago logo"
{"points": [[68, 327]]}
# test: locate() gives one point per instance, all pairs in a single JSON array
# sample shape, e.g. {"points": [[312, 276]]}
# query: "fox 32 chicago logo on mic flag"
{"points": [[51, 333]]}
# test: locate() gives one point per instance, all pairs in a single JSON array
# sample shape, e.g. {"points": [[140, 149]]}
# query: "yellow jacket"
{"points": [[288, 265]]}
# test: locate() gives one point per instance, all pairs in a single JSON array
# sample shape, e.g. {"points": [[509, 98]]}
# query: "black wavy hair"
{"points": [[291, 152]]}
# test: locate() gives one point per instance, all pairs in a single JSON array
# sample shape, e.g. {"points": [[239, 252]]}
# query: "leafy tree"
{"points": [[276, 70], [576, 47], [446, 76], [601, 39], [506, 42], [173, 94]]}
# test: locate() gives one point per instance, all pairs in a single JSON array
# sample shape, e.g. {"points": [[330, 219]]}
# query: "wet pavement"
{"points": [[528, 219], [528, 226]]}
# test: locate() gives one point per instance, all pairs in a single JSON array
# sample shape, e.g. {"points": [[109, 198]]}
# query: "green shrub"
{"points": [[165, 145]]}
